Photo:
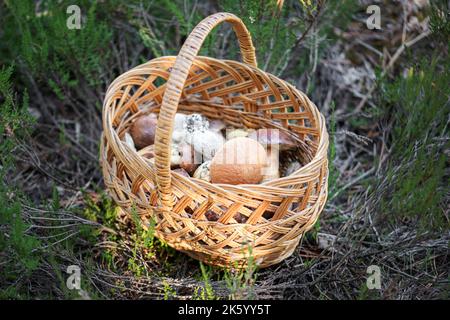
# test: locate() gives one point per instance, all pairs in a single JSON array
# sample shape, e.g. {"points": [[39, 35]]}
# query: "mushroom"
{"points": [[147, 152], [292, 167], [272, 171], [178, 121], [275, 141], [196, 131], [236, 133], [211, 215], [272, 137], [175, 156], [178, 134], [240, 161], [143, 130], [203, 171], [195, 122], [207, 143], [216, 125], [240, 218]]}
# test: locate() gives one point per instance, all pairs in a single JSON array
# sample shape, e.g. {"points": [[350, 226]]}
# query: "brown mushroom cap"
{"points": [[240, 161], [143, 130], [211, 215], [240, 218], [271, 137]]}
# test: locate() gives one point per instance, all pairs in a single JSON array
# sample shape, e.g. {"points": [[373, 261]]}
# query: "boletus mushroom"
{"points": [[274, 137], [203, 171], [143, 130], [240, 161], [275, 141]]}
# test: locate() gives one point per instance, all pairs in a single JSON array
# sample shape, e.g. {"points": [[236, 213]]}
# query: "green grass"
{"points": [[206, 292], [52, 51], [416, 174], [333, 174], [241, 282], [439, 19]]}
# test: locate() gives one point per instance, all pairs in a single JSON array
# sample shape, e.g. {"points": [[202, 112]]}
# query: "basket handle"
{"points": [[174, 87]]}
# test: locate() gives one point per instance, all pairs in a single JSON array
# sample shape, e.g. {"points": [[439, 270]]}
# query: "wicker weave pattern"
{"points": [[243, 96]]}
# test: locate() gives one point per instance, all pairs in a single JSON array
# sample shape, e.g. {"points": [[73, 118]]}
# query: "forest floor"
{"points": [[385, 96]]}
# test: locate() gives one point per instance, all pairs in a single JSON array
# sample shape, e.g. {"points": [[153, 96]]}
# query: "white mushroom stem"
{"points": [[272, 170]]}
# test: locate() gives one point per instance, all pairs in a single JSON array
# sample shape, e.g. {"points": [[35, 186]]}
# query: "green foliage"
{"points": [[165, 36], [416, 172], [368, 294], [206, 292], [240, 282], [333, 173], [270, 36], [52, 51], [104, 210], [17, 246], [147, 247], [15, 120], [314, 231], [277, 31], [182, 18], [439, 19], [150, 41], [17, 240], [169, 292]]}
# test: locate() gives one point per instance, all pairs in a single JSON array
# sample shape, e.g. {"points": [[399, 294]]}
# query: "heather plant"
{"points": [[416, 174]]}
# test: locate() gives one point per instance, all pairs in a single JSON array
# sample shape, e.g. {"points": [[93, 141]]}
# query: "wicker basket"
{"points": [[277, 212]]}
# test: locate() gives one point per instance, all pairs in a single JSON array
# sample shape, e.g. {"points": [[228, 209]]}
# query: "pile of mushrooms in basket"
{"points": [[210, 150]]}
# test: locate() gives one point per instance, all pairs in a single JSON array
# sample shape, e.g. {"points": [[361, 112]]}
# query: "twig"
{"points": [[354, 181], [388, 67]]}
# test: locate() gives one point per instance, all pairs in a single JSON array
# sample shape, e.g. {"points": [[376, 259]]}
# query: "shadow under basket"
{"points": [[273, 215]]}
